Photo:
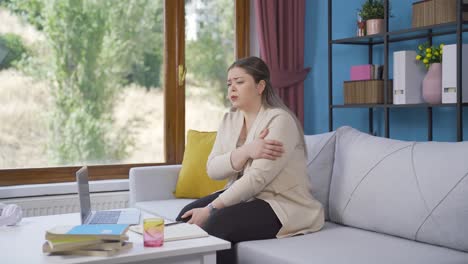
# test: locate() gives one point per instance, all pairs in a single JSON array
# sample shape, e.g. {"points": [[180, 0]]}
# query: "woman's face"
{"points": [[243, 92]]}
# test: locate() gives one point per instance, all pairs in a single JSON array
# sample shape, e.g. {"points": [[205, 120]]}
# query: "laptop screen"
{"points": [[83, 193]]}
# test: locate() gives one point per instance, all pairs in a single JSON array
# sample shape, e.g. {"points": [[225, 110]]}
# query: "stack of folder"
{"points": [[87, 240]]}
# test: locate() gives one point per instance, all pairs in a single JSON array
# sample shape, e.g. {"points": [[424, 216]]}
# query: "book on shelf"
{"points": [[177, 232]]}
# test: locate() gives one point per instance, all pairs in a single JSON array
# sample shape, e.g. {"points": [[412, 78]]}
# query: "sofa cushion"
{"points": [[193, 180], [336, 244], [320, 156], [416, 190], [168, 209]]}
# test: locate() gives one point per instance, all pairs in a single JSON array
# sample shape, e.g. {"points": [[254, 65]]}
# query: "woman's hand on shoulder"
{"points": [[262, 148]]}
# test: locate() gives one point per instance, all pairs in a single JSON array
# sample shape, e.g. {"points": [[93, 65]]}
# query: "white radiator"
{"points": [[62, 204]]}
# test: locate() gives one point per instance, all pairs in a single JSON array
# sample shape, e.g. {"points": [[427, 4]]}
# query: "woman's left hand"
{"points": [[199, 215]]}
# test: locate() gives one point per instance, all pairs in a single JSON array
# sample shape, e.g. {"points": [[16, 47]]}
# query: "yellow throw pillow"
{"points": [[193, 181]]}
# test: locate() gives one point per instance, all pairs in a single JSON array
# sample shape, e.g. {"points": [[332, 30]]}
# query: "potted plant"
{"points": [[431, 56], [372, 11]]}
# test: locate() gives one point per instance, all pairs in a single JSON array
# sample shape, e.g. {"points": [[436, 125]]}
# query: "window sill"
{"points": [[61, 188]]}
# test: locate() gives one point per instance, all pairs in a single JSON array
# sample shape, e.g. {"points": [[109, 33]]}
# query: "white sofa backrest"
{"points": [[320, 156], [416, 190]]}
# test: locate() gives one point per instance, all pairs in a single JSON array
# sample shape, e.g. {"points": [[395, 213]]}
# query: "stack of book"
{"points": [[87, 240]]}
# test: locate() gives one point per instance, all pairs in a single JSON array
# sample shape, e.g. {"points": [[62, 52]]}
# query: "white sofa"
{"points": [[386, 201]]}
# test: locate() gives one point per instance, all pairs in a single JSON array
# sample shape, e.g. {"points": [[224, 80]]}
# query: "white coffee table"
{"points": [[23, 244]]}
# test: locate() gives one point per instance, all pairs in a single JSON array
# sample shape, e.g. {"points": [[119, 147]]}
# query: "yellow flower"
{"points": [[436, 53], [428, 50], [441, 46], [418, 57], [428, 55], [441, 51], [426, 61]]}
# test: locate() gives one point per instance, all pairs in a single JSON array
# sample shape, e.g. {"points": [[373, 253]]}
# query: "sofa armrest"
{"points": [[152, 183]]}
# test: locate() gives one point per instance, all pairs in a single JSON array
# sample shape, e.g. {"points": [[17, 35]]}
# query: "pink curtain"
{"points": [[280, 24]]}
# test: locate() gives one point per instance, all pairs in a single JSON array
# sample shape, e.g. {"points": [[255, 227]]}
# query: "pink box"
{"points": [[361, 72]]}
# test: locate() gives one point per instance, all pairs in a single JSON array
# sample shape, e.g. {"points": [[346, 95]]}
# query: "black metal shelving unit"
{"points": [[385, 39]]}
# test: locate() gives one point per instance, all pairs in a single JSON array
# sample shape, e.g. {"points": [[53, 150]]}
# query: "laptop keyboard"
{"points": [[105, 217]]}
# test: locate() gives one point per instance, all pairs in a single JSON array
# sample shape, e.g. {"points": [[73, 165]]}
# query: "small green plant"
{"points": [[429, 54], [15, 48], [372, 9]]}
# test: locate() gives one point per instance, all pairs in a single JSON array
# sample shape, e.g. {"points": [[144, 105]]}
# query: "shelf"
{"points": [[394, 105], [386, 39], [424, 32], [365, 40], [425, 105], [421, 105], [357, 106], [404, 35]]}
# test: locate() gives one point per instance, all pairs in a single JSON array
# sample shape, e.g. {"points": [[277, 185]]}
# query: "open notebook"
{"points": [[176, 232]]}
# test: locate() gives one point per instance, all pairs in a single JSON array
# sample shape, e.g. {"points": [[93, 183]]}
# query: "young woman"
{"points": [[260, 148]]}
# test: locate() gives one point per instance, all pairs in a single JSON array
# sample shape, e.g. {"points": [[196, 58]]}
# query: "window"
{"points": [[209, 27], [90, 82]]}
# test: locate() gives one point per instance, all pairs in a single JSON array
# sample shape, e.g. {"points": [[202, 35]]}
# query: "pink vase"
{"points": [[432, 84]]}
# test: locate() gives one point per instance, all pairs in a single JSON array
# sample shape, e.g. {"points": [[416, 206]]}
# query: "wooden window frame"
{"points": [[174, 106], [242, 28]]}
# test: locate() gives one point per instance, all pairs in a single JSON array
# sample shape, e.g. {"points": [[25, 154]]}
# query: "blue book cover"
{"points": [[103, 229]]}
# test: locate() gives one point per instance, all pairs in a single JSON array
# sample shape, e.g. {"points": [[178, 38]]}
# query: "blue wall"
{"points": [[406, 124]]}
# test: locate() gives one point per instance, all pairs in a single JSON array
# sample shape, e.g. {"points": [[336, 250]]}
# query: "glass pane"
{"points": [[80, 82], [209, 49]]}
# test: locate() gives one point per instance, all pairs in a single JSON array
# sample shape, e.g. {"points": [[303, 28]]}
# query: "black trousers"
{"points": [[241, 222]]}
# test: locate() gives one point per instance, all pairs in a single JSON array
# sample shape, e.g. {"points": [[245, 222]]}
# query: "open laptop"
{"points": [[129, 216]]}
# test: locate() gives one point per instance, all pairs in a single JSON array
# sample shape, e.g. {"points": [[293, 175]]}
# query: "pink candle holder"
{"points": [[153, 232]]}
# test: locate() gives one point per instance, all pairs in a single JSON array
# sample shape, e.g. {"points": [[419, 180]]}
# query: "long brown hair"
{"points": [[258, 69]]}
